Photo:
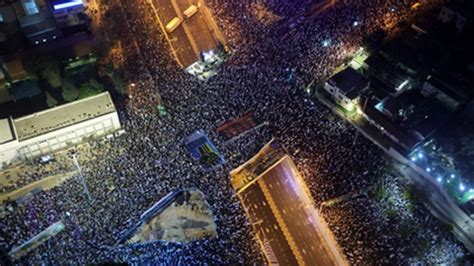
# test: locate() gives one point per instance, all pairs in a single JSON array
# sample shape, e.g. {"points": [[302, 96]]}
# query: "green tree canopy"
{"points": [[50, 100], [119, 83], [45, 67], [70, 91], [90, 88]]}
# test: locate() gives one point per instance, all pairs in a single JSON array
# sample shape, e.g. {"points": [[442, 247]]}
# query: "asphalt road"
{"points": [[193, 36], [282, 212], [266, 225]]}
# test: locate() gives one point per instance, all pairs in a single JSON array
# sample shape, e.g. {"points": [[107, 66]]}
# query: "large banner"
{"points": [[180, 216], [202, 149], [235, 127], [37, 240]]}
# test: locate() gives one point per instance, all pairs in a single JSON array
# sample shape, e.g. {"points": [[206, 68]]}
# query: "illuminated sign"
{"points": [[67, 4]]}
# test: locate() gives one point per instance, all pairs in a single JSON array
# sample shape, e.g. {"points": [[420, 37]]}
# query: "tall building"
{"points": [[11, 36], [36, 21]]}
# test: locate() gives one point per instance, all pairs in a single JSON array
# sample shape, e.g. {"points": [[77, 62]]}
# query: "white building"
{"points": [[346, 87], [57, 128]]}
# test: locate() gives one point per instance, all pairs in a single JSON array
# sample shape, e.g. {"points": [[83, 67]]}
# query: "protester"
{"points": [[130, 173]]}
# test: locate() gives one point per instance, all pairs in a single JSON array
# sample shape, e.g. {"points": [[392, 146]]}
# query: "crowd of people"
{"points": [[128, 174]]}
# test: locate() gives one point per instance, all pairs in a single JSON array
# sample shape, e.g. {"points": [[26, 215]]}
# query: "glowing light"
{"points": [[379, 106], [440, 179], [462, 187], [355, 24], [326, 43], [208, 55], [413, 159], [44, 40], [420, 155], [402, 85], [68, 4], [428, 169], [453, 176]]}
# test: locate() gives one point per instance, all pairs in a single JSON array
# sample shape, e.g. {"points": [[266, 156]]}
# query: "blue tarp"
{"points": [[203, 150]]}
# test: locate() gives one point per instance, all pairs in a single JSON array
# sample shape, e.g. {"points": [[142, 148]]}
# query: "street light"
{"points": [[81, 176]]}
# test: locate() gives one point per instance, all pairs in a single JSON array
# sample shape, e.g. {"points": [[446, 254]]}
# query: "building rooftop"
{"points": [[63, 116], [382, 69], [415, 112], [15, 69], [7, 14], [6, 131], [407, 140], [448, 86], [349, 81], [25, 89]]}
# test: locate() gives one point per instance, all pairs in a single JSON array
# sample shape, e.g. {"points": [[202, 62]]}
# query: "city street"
{"points": [[284, 215], [274, 219]]}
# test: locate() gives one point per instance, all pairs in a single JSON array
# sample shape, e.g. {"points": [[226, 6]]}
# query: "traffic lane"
{"points": [[198, 26], [182, 45], [266, 225], [201, 30], [292, 201], [165, 10]]}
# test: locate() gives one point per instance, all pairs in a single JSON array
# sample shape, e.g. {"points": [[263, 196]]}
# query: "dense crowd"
{"points": [[126, 175]]}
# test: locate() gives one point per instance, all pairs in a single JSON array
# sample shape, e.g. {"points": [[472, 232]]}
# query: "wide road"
{"points": [[266, 225], [194, 35], [282, 211]]}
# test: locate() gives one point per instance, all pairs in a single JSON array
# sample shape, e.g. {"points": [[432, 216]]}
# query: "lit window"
{"points": [[30, 7]]}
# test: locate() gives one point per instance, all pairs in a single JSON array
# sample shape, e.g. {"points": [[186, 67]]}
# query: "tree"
{"points": [[391, 213], [45, 67], [51, 71], [119, 84], [380, 193], [50, 100], [70, 92], [90, 88]]}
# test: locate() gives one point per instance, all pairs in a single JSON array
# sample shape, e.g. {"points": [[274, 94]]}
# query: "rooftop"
{"points": [[349, 81], [413, 111], [63, 116], [6, 131], [407, 140], [15, 69], [25, 89], [7, 14], [447, 86]]}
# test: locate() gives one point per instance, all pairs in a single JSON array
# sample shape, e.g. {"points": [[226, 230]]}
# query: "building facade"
{"points": [[346, 87], [57, 128]]}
